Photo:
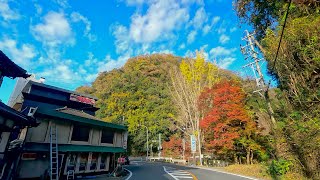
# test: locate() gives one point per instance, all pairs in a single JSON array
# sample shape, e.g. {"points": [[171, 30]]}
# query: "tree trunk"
{"points": [[199, 147], [251, 158], [236, 159], [248, 156]]}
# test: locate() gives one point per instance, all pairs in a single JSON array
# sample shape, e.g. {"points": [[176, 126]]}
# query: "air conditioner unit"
{"points": [[32, 110]]}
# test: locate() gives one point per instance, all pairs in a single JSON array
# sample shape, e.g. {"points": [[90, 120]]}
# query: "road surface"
{"points": [[141, 170]]}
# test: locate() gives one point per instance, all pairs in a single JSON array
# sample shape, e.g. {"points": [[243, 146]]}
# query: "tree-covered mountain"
{"points": [[137, 95], [160, 92]]}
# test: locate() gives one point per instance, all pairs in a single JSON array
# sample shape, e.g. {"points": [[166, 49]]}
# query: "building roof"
{"points": [[16, 116], [77, 113], [62, 90], [77, 116], [10, 69], [45, 147]]}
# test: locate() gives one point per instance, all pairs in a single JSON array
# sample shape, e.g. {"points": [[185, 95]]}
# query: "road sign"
{"points": [[125, 140], [193, 143]]}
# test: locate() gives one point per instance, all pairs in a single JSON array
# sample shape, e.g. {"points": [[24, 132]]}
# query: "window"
{"points": [[71, 162], [83, 161], [94, 161], [80, 133], [107, 137], [103, 161]]}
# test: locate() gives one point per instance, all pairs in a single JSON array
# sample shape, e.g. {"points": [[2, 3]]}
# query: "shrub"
{"points": [[279, 167]]}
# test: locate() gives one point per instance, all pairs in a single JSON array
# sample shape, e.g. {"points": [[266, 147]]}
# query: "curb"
{"points": [[130, 173]]}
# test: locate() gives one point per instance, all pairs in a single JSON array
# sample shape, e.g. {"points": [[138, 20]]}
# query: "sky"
{"points": [[71, 42]]}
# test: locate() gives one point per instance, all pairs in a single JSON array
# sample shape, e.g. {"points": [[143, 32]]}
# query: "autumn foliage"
{"points": [[174, 148], [225, 117]]}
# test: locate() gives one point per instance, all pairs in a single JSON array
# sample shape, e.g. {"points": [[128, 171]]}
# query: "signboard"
{"points": [[86, 100], [193, 143], [125, 140]]}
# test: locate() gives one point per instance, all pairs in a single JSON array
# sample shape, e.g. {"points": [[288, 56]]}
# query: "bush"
{"points": [[279, 167]]}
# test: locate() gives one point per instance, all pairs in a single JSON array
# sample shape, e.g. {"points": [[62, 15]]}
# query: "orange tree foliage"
{"points": [[225, 118], [173, 147]]}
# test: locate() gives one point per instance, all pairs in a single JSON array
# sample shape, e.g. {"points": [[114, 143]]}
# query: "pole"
{"points": [[151, 151], [260, 79], [254, 54], [147, 143], [159, 145], [183, 147]]}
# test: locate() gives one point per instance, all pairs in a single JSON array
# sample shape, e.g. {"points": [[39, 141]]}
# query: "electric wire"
{"points": [[283, 27]]}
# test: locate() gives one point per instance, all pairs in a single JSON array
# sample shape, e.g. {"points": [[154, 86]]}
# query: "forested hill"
{"points": [[137, 94]]}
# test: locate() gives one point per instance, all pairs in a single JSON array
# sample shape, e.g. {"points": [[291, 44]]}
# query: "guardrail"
{"points": [[168, 159], [206, 162]]}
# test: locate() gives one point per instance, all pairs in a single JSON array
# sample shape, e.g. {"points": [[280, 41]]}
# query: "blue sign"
{"points": [[193, 143]]}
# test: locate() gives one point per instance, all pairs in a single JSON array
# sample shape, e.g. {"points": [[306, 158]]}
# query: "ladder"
{"points": [[54, 167], [70, 175]]}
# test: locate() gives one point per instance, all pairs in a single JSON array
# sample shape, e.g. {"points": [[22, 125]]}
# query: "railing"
{"points": [[189, 161], [168, 159]]}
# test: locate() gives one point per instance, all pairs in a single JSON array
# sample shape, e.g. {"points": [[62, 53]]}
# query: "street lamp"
{"points": [[147, 142]]}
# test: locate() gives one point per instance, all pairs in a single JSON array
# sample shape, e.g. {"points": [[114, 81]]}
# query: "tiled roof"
{"points": [[76, 112], [77, 116]]}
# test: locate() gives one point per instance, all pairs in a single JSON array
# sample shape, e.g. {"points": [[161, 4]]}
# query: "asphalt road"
{"points": [[165, 171]]}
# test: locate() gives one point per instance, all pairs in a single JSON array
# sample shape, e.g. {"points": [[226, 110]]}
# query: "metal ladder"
{"points": [[54, 167], [70, 175]]}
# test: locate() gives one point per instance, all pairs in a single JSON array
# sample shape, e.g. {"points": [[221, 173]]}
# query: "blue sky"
{"points": [[70, 42]]}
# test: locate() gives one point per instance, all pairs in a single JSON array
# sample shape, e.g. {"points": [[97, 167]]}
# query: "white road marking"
{"points": [[130, 174], [177, 174]]}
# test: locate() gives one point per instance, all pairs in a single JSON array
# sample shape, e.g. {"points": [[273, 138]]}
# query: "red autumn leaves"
{"points": [[224, 115]]}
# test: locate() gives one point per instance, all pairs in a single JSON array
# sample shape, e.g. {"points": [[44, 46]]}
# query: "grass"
{"points": [[259, 171], [255, 170]]}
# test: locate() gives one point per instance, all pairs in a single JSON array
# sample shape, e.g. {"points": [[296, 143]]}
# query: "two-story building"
{"points": [[86, 144]]}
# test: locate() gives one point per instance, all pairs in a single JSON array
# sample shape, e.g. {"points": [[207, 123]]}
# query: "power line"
{"points": [[284, 25]]}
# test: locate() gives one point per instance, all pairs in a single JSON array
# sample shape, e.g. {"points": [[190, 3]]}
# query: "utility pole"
{"points": [[183, 147], [159, 147], [147, 142], [251, 54]]}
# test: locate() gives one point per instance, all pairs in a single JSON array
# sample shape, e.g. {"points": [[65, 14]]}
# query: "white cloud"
{"points": [[224, 39], [61, 72], [182, 46], [204, 47], [191, 37], [122, 41], [159, 22], [226, 62], [38, 9], [108, 63], [215, 20], [189, 53], [62, 3], [221, 30], [221, 51], [7, 13], [77, 17], [21, 55], [54, 30], [206, 29], [224, 56], [233, 29], [200, 18], [135, 2]]}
